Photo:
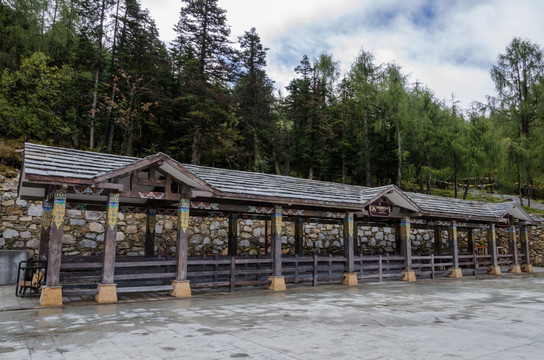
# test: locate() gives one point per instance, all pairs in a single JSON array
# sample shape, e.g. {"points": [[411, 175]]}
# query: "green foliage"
{"points": [[70, 69]]}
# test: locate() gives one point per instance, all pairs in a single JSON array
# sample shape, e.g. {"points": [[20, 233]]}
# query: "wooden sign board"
{"points": [[379, 208]]}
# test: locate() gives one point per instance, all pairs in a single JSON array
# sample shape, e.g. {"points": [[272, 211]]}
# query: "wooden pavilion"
{"points": [[74, 179]]}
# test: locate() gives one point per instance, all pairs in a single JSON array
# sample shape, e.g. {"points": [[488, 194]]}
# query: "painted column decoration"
{"points": [[525, 249], [181, 286], [492, 250], [233, 234], [107, 290], [348, 242], [110, 239], [52, 293], [349, 276], [406, 242], [47, 217], [513, 245], [299, 235], [452, 233], [150, 232], [276, 224]]}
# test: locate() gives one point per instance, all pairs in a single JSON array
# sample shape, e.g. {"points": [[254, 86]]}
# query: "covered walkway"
{"points": [[72, 179]]}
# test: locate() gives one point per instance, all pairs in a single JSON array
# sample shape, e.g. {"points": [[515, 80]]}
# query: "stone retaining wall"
{"points": [[20, 223]]}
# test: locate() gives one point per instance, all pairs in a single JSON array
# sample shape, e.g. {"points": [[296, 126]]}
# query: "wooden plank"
{"points": [[182, 237], [133, 289], [276, 232], [232, 274], [110, 239], [55, 240]]}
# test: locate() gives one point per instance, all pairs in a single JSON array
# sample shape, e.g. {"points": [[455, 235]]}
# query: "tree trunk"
{"points": [[399, 163], [466, 189], [455, 181], [97, 75], [195, 158], [519, 181], [367, 151], [428, 172]]}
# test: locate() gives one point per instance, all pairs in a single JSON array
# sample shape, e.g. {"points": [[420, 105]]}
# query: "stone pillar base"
{"points": [[181, 289], [277, 283], [527, 268], [107, 293], [349, 279], [51, 296], [408, 275], [494, 270], [456, 273], [516, 269]]}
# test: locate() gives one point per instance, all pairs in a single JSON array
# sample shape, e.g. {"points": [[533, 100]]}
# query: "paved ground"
{"points": [[472, 318]]}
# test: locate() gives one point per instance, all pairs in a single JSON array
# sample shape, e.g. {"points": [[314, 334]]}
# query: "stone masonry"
{"points": [[20, 223]]}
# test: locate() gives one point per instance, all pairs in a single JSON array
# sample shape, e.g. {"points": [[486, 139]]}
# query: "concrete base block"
{"points": [[456, 273], [51, 296], [408, 275], [107, 293], [181, 289], [527, 268], [277, 283], [494, 270], [349, 279], [516, 269]]}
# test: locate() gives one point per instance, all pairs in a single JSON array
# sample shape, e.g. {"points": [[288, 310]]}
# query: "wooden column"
{"points": [[492, 250], [350, 277], [52, 292], [45, 230], [437, 241], [470, 241], [525, 249], [182, 287], [299, 235], [107, 290], [513, 245], [150, 232], [406, 250], [233, 234], [277, 281], [452, 234]]}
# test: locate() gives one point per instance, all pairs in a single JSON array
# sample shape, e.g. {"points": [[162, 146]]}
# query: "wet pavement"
{"points": [[470, 318]]}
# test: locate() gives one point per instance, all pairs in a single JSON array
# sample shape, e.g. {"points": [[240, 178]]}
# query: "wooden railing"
{"points": [[132, 274]]}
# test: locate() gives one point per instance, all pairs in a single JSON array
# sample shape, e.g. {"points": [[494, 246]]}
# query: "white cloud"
{"points": [[449, 46]]}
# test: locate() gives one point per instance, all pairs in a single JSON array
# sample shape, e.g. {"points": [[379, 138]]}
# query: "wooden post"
{"points": [[150, 232], [107, 290], [277, 281], [406, 247], [349, 276], [438, 241], [513, 244], [452, 234], [525, 249], [182, 287], [45, 230], [299, 236], [492, 249], [52, 292], [470, 241], [233, 234]]}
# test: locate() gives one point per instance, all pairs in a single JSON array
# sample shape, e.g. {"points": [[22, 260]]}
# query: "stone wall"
{"points": [[20, 223]]}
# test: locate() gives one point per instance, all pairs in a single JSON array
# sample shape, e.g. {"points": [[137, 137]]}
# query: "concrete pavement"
{"points": [[471, 318]]}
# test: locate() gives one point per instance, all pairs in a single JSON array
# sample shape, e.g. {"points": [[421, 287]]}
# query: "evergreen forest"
{"points": [[94, 75]]}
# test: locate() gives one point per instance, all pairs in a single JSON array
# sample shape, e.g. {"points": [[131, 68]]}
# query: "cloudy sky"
{"points": [[447, 45]]}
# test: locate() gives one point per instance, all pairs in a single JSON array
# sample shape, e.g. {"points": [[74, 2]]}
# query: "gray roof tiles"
{"points": [[60, 162]]}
